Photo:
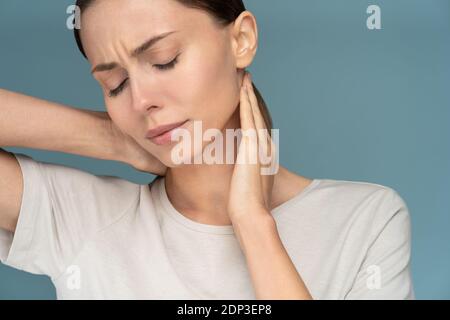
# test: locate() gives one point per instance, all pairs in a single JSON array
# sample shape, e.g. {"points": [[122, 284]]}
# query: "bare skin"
{"points": [[273, 273], [206, 84], [30, 122], [287, 185], [203, 86]]}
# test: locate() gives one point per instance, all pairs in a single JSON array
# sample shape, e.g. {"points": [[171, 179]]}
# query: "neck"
{"points": [[200, 191], [193, 192]]}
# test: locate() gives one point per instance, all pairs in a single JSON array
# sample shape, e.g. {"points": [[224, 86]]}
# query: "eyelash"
{"points": [[162, 67]]}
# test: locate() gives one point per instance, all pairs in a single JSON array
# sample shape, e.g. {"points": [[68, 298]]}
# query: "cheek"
{"points": [[208, 87], [120, 117]]}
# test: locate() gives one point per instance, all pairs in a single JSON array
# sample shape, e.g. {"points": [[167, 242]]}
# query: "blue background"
{"points": [[352, 103]]}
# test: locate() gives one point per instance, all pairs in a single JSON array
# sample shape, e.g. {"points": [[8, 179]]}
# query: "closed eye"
{"points": [[167, 66], [115, 92]]}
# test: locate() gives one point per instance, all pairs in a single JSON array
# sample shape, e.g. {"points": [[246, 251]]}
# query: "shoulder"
{"points": [[363, 203], [359, 191], [69, 175], [334, 192], [72, 189]]}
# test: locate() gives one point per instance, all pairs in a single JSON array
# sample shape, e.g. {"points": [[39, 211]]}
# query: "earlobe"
{"points": [[245, 39]]}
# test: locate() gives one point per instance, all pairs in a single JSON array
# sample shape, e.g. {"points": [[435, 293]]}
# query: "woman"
{"points": [[239, 235]]}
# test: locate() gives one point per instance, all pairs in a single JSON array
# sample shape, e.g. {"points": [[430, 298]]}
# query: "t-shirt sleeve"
{"points": [[61, 208], [385, 273]]}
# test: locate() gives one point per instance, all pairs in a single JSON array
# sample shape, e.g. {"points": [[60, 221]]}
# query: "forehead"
{"points": [[110, 23]]}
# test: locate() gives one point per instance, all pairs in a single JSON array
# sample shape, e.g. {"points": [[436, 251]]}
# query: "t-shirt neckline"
{"points": [[160, 189]]}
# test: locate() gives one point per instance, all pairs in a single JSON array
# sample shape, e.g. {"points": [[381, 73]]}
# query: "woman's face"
{"points": [[190, 74]]}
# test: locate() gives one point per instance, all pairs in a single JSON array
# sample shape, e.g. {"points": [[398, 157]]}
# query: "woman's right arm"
{"points": [[34, 123]]}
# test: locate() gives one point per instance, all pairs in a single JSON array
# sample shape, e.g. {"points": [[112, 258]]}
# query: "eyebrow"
{"points": [[139, 50]]}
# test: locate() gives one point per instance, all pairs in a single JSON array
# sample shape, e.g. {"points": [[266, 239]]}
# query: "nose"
{"points": [[143, 94]]}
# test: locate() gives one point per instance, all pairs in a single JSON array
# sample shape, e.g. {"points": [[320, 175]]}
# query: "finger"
{"points": [[264, 143], [246, 112], [248, 146], [259, 120], [264, 139]]}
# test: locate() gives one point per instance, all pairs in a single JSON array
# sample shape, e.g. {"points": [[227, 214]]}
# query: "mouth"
{"points": [[163, 134]]}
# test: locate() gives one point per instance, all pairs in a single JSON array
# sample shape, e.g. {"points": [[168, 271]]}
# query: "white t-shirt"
{"points": [[102, 237]]}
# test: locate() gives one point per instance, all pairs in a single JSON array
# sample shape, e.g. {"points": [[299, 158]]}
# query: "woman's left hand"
{"points": [[273, 274], [250, 191]]}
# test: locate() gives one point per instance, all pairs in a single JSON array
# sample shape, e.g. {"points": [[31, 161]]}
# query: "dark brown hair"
{"points": [[224, 12]]}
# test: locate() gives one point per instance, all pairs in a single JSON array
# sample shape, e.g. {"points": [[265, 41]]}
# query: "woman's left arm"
{"points": [[273, 273]]}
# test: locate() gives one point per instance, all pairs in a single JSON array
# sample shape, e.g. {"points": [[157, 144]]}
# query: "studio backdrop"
{"points": [[361, 89]]}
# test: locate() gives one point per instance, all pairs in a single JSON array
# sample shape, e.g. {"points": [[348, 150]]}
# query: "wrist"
{"points": [[248, 214], [88, 134], [256, 233], [112, 139], [254, 221]]}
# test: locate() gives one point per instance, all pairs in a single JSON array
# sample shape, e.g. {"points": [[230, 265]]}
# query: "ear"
{"points": [[244, 39]]}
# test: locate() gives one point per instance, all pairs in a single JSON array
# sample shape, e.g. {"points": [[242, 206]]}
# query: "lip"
{"points": [[162, 134]]}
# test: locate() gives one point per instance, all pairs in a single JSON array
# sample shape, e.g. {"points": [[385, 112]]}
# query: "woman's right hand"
{"points": [[133, 154], [30, 122]]}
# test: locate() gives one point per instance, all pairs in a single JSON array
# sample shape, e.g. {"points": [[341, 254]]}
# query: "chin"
{"points": [[169, 162]]}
